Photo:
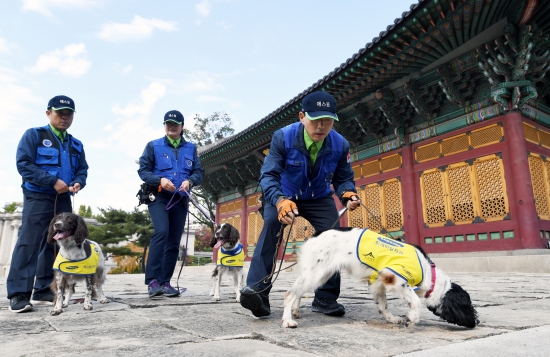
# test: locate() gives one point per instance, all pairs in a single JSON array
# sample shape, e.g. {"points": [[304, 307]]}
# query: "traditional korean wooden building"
{"points": [[448, 115]]}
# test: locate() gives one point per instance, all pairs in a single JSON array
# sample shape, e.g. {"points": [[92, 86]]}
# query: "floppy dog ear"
{"points": [[81, 232], [234, 234], [51, 231], [457, 307]]}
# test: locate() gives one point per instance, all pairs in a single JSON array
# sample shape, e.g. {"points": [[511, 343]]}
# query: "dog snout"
{"points": [[58, 225]]}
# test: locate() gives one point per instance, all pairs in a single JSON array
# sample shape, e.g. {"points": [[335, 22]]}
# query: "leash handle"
{"points": [[170, 204]]}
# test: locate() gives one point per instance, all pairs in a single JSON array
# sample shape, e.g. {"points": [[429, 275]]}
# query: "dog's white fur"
{"points": [[72, 248], [335, 250], [230, 235]]}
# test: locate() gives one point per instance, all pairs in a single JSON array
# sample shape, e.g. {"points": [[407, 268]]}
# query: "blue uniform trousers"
{"points": [[165, 242], [33, 255], [321, 213]]}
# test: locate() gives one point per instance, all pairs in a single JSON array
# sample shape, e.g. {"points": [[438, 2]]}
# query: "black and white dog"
{"points": [[230, 259], [78, 259], [389, 265]]}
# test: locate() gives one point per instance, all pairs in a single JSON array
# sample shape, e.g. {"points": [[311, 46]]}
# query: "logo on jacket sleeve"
{"points": [[349, 157], [47, 143]]}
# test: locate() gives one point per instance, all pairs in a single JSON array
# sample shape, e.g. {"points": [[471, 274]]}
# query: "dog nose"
{"points": [[57, 225]]}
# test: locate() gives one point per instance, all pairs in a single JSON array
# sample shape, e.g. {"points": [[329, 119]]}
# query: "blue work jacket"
{"points": [[161, 160], [288, 170], [42, 158]]}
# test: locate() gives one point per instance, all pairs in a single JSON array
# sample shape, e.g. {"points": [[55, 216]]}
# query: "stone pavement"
{"points": [[514, 310]]}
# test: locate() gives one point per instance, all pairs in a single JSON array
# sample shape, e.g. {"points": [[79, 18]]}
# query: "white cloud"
{"points": [[70, 61], [44, 6], [4, 46], [203, 8], [14, 99], [149, 96], [139, 29], [126, 70]]}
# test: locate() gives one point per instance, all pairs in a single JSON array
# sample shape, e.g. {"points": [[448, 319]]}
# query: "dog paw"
{"points": [[65, 304], [104, 300], [296, 313], [289, 324], [238, 300], [88, 306], [56, 312], [216, 298]]}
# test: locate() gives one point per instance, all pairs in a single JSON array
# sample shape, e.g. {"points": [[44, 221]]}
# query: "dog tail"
{"points": [[215, 272]]}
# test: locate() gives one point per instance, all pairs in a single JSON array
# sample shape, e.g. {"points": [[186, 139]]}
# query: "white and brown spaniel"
{"points": [[230, 259], [389, 266], [78, 259]]}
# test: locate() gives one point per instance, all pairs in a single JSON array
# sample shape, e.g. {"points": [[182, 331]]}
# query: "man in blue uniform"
{"points": [[304, 160], [171, 164], [53, 166]]}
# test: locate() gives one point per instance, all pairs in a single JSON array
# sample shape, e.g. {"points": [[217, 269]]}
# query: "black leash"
{"points": [[268, 277]]}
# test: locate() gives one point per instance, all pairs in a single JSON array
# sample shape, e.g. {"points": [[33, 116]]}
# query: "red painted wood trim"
{"points": [[526, 213]]}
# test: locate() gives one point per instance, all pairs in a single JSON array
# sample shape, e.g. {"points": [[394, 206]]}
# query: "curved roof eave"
{"points": [[369, 47]]}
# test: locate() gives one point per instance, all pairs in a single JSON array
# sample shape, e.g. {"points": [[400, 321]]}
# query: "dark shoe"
{"points": [[169, 291], [155, 289], [20, 303], [43, 299], [256, 302], [327, 307]]}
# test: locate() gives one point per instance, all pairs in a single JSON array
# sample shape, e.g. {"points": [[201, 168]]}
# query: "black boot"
{"points": [[256, 302]]}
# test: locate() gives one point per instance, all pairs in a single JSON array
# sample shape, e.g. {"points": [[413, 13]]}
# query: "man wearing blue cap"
{"points": [[171, 164], [53, 167], [304, 160]]}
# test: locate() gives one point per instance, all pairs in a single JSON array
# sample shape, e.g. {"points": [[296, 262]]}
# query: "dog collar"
{"points": [[433, 282]]}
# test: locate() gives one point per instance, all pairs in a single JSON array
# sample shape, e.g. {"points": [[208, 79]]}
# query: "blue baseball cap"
{"points": [[173, 116], [61, 102], [319, 105]]}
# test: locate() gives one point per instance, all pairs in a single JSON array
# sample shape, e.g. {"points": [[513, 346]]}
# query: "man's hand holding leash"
{"points": [[351, 200], [286, 210]]}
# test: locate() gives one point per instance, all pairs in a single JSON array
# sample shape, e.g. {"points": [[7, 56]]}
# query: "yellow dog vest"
{"points": [[231, 258], [379, 252], [86, 266]]}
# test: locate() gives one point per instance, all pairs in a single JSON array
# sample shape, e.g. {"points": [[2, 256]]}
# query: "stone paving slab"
{"points": [[509, 305]]}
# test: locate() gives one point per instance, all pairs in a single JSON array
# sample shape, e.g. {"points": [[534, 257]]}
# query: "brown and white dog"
{"points": [[337, 250], [230, 259], [70, 232]]}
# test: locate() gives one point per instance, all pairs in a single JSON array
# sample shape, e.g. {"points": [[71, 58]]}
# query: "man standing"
{"points": [[304, 160], [52, 164], [172, 164]]}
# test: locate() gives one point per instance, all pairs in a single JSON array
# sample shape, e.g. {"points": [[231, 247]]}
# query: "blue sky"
{"points": [[127, 62]]}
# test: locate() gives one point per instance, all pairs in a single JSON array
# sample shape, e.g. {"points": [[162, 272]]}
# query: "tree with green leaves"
{"points": [[85, 212], [207, 131], [10, 208], [119, 226]]}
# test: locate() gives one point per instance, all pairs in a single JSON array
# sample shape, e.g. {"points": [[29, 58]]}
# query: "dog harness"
{"points": [[379, 252], [86, 266], [231, 258]]}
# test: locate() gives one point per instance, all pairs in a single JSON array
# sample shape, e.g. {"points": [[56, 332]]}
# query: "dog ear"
{"points": [[234, 235], [81, 232], [51, 231], [457, 308]]}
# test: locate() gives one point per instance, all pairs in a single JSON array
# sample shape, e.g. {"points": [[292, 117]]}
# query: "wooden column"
{"points": [[525, 200], [409, 196]]}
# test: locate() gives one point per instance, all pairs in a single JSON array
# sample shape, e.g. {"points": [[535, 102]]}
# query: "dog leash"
{"points": [[182, 290], [279, 241]]}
